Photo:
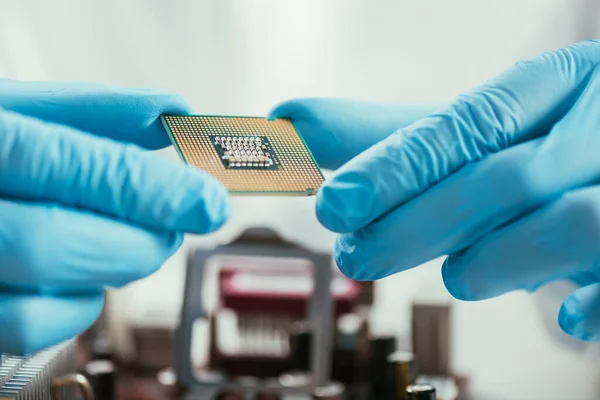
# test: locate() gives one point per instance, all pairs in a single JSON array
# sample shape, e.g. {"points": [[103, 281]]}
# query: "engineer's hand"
{"points": [[505, 180], [84, 205]]}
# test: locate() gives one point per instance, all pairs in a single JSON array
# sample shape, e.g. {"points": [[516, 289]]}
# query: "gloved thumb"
{"points": [[579, 315], [519, 105]]}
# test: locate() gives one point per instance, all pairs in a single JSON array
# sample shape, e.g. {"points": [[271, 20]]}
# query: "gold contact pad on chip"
{"points": [[297, 172]]}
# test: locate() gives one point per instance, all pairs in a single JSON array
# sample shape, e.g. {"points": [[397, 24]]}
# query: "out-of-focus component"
{"points": [[69, 382], [420, 391], [330, 391], [367, 293], [94, 342], [269, 394], [431, 343], [249, 155], [349, 355], [431, 338], [348, 330], [48, 374], [359, 355], [463, 386], [230, 394], [295, 380], [300, 345], [264, 245], [402, 370], [381, 377], [255, 286], [100, 347], [168, 381], [153, 347], [248, 382], [102, 377], [265, 301], [446, 387], [283, 317]]}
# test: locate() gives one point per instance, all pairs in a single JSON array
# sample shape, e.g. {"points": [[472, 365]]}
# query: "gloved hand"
{"points": [[83, 206], [504, 180]]}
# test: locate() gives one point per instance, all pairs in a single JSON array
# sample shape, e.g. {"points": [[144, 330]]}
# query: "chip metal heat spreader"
{"points": [[249, 155]]}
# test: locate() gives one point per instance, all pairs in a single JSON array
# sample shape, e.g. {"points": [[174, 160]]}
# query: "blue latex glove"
{"points": [[83, 206], [504, 180]]}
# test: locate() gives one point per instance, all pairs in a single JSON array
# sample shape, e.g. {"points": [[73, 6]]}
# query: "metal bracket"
{"points": [[256, 243]]}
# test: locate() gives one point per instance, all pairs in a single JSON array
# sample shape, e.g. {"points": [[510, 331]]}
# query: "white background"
{"points": [[242, 57]]}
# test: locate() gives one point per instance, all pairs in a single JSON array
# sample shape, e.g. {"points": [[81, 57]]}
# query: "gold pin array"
{"points": [[295, 174]]}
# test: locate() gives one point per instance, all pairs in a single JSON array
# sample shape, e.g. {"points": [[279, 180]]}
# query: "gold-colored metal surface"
{"points": [[77, 380], [297, 173]]}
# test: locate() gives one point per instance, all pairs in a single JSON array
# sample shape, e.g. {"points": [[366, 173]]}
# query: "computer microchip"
{"points": [[249, 155]]}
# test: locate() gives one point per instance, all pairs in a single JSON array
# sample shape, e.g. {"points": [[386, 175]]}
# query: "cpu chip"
{"points": [[249, 155]]}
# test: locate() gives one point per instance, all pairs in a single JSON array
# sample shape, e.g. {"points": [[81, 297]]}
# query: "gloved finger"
{"points": [[32, 322], [448, 217], [127, 115], [517, 106], [337, 130], [579, 314], [553, 243], [584, 278], [481, 196], [48, 162], [45, 244]]}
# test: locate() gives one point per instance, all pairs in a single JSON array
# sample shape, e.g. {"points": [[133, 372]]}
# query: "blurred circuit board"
{"points": [[249, 155]]}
